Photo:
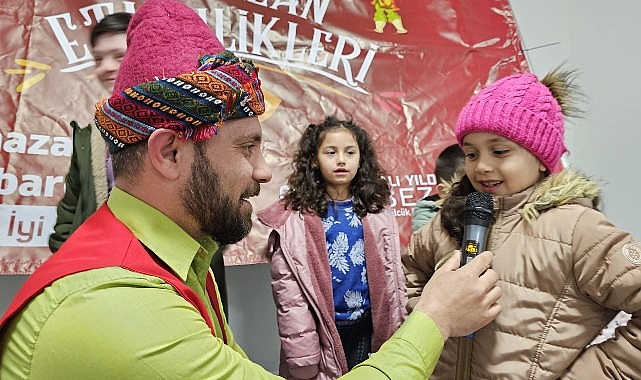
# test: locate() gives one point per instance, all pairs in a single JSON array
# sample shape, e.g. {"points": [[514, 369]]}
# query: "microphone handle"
{"points": [[474, 242]]}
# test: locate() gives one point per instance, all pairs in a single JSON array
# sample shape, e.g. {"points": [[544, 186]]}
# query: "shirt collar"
{"points": [[159, 233]]}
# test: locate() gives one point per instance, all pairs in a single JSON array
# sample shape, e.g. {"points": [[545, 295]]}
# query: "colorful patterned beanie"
{"points": [[522, 109], [176, 75]]}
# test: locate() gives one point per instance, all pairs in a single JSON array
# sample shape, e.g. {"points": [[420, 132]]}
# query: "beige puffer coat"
{"points": [[564, 271]]}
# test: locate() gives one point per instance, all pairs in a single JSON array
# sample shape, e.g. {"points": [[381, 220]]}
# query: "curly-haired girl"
{"points": [[337, 281]]}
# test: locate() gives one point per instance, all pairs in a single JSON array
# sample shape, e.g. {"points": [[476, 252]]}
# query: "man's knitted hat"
{"points": [[519, 108], [176, 75]]}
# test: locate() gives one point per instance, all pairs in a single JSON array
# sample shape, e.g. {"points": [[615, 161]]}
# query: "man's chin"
{"points": [[234, 235]]}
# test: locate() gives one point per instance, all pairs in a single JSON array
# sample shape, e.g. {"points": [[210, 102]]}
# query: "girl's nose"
{"points": [[483, 165]]}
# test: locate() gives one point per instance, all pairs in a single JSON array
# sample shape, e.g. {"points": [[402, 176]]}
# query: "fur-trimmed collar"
{"points": [[566, 187]]}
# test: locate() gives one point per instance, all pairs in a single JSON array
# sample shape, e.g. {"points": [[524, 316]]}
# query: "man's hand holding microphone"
{"points": [[462, 300]]}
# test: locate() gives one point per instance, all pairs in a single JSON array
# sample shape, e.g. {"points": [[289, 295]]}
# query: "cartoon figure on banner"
{"points": [[387, 11]]}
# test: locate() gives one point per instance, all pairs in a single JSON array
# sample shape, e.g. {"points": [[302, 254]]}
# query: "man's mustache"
{"points": [[253, 192]]}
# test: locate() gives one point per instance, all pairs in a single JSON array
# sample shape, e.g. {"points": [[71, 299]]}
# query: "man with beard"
{"points": [[130, 295]]}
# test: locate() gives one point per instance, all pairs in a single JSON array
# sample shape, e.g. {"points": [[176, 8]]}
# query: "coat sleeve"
{"points": [[607, 267], [398, 281], [66, 209], [300, 345]]}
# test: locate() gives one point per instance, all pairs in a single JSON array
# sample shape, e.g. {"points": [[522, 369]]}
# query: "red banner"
{"points": [[402, 69]]}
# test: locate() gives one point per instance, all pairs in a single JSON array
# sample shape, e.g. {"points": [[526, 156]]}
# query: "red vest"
{"points": [[103, 241]]}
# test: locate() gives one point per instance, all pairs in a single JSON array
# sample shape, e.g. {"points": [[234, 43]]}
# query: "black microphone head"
{"points": [[478, 208]]}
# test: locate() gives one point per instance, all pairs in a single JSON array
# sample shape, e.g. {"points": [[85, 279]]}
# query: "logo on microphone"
{"points": [[471, 248]]}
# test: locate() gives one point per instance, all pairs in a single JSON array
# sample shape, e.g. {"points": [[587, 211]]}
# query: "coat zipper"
{"points": [[464, 359]]}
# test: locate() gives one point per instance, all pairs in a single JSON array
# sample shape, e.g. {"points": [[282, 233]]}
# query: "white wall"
{"points": [[252, 314], [601, 39]]}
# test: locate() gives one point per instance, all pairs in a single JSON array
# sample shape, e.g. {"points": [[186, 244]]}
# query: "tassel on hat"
{"points": [[176, 75]]}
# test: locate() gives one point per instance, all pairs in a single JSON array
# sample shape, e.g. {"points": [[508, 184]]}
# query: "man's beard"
{"points": [[217, 215]]}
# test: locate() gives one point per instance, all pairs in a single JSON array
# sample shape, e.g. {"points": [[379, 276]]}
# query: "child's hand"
{"points": [[462, 300]]}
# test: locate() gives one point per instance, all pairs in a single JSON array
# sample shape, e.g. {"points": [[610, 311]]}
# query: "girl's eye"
{"points": [[471, 156], [501, 152]]}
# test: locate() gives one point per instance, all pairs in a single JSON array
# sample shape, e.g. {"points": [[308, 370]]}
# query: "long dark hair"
{"points": [[453, 205], [306, 193]]}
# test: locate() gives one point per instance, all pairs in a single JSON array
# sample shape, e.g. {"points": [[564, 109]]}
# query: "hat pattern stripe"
{"points": [[121, 118], [124, 106], [194, 103], [114, 134], [166, 112], [181, 99]]}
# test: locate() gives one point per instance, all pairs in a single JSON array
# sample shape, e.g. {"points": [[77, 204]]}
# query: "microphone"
{"points": [[477, 217]]}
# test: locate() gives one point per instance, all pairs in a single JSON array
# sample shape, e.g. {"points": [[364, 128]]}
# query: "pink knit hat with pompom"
{"points": [[522, 109], [176, 75]]}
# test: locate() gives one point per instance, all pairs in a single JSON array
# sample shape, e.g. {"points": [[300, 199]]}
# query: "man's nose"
{"points": [[262, 172]]}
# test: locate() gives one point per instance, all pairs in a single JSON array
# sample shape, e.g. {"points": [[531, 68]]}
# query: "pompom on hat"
{"points": [[521, 108], [176, 75]]}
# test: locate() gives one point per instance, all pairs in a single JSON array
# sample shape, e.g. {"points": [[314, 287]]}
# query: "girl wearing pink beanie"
{"points": [[564, 270]]}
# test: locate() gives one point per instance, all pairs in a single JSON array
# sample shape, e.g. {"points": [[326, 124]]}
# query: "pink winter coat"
{"points": [[301, 284]]}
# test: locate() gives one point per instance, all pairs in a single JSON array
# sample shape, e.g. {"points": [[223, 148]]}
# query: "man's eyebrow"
{"points": [[250, 137]]}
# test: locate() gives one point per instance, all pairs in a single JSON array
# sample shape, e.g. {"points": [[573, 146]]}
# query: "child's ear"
{"points": [[440, 190], [542, 167]]}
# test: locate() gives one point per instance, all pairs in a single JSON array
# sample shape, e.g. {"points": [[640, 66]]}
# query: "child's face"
{"points": [[108, 53], [498, 165], [338, 158]]}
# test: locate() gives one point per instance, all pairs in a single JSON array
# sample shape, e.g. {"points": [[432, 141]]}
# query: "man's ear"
{"points": [[163, 145]]}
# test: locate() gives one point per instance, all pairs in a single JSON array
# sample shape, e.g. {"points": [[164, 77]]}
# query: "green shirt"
{"points": [[111, 323]]}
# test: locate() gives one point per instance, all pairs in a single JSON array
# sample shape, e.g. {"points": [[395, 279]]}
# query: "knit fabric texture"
{"points": [[176, 75], [522, 109]]}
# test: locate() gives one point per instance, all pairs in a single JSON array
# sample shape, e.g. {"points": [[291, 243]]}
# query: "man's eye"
{"points": [[248, 148]]}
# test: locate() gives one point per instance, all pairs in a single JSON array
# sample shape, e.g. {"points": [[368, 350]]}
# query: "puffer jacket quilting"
{"points": [[565, 269]]}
